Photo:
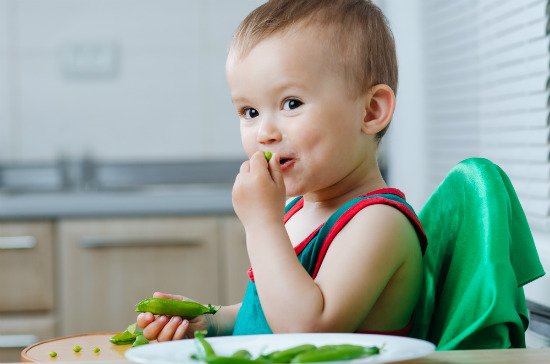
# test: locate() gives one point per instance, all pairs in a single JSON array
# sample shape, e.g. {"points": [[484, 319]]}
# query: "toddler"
{"points": [[314, 82]]}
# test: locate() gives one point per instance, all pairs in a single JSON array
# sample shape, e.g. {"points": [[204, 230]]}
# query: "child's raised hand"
{"points": [[259, 191], [166, 328]]}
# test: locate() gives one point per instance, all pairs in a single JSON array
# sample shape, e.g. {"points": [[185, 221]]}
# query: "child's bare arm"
{"points": [[360, 263], [223, 322], [363, 259]]}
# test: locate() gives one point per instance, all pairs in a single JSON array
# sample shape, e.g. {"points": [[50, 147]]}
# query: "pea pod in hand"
{"points": [[166, 306]]}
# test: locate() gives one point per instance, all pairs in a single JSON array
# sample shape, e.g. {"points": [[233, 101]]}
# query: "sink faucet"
{"points": [[77, 174]]}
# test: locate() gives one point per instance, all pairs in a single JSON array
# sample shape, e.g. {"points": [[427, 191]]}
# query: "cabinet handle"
{"points": [[17, 341], [17, 242], [91, 242]]}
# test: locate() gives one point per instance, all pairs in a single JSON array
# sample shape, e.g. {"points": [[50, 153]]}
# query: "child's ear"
{"points": [[379, 108]]}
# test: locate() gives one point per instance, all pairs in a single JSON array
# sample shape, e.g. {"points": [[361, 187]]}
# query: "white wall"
{"points": [[158, 93], [405, 142], [4, 118]]}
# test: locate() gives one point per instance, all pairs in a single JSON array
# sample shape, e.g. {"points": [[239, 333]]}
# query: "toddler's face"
{"points": [[292, 101]]}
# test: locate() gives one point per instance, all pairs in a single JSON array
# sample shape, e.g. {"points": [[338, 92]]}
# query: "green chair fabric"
{"points": [[480, 253]]}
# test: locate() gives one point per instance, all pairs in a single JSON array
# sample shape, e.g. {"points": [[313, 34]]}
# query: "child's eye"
{"points": [[292, 104], [249, 113]]}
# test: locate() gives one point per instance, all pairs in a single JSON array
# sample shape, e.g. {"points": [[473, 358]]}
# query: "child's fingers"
{"points": [[152, 330], [170, 296], [258, 162], [275, 170], [168, 331], [144, 319], [181, 330], [245, 167]]}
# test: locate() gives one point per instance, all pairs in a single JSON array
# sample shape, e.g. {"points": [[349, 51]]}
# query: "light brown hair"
{"points": [[356, 32]]}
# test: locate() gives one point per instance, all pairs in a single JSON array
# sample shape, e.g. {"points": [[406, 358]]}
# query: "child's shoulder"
{"points": [[387, 214], [383, 219]]}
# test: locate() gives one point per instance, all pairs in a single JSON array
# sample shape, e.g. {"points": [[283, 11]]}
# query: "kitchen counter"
{"points": [[190, 199], [94, 188]]}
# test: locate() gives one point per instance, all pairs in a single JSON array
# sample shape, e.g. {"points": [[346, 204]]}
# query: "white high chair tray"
{"points": [[394, 348]]}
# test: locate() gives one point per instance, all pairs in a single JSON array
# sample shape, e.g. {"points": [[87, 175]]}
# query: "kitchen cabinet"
{"points": [[107, 265], [27, 254], [27, 285], [65, 276], [234, 261], [21, 330]]}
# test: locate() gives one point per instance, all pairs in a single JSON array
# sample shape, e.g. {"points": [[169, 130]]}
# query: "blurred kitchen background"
{"points": [[119, 145]]}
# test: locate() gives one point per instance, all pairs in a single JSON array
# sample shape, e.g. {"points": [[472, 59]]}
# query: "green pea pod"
{"points": [[372, 350], [204, 349], [332, 353], [123, 338], [127, 336], [267, 356], [233, 360], [285, 356], [132, 328], [140, 340], [242, 354], [369, 350], [166, 306]]}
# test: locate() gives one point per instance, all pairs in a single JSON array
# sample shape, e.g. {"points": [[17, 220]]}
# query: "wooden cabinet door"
{"points": [[26, 258], [107, 265], [234, 261], [19, 331]]}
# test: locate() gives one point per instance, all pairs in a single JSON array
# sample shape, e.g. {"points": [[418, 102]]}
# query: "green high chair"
{"points": [[480, 254]]}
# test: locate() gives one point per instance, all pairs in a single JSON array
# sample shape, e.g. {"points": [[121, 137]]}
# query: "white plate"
{"points": [[395, 348]]}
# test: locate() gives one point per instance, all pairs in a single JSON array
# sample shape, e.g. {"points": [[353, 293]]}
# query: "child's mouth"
{"points": [[286, 163]]}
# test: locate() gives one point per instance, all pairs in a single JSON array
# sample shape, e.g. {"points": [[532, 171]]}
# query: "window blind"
{"points": [[487, 83]]}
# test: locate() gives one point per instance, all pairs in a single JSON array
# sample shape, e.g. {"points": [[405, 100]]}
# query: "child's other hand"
{"points": [[166, 328], [259, 191]]}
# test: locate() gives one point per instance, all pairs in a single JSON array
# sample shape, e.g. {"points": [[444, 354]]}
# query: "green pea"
{"points": [[77, 348], [166, 306], [53, 354], [268, 155], [96, 350]]}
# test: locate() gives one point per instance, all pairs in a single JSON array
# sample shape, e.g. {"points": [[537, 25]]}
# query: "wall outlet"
{"points": [[90, 60]]}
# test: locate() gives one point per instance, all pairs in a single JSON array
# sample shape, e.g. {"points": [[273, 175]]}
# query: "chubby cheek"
{"points": [[248, 141]]}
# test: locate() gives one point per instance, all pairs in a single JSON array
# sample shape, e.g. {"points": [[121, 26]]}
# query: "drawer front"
{"points": [[20, 331], [234, 261], [26, 258], [107, 266]]}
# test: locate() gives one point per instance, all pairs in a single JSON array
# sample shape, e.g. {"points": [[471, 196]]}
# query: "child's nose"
{"points": [[268, 132]]}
